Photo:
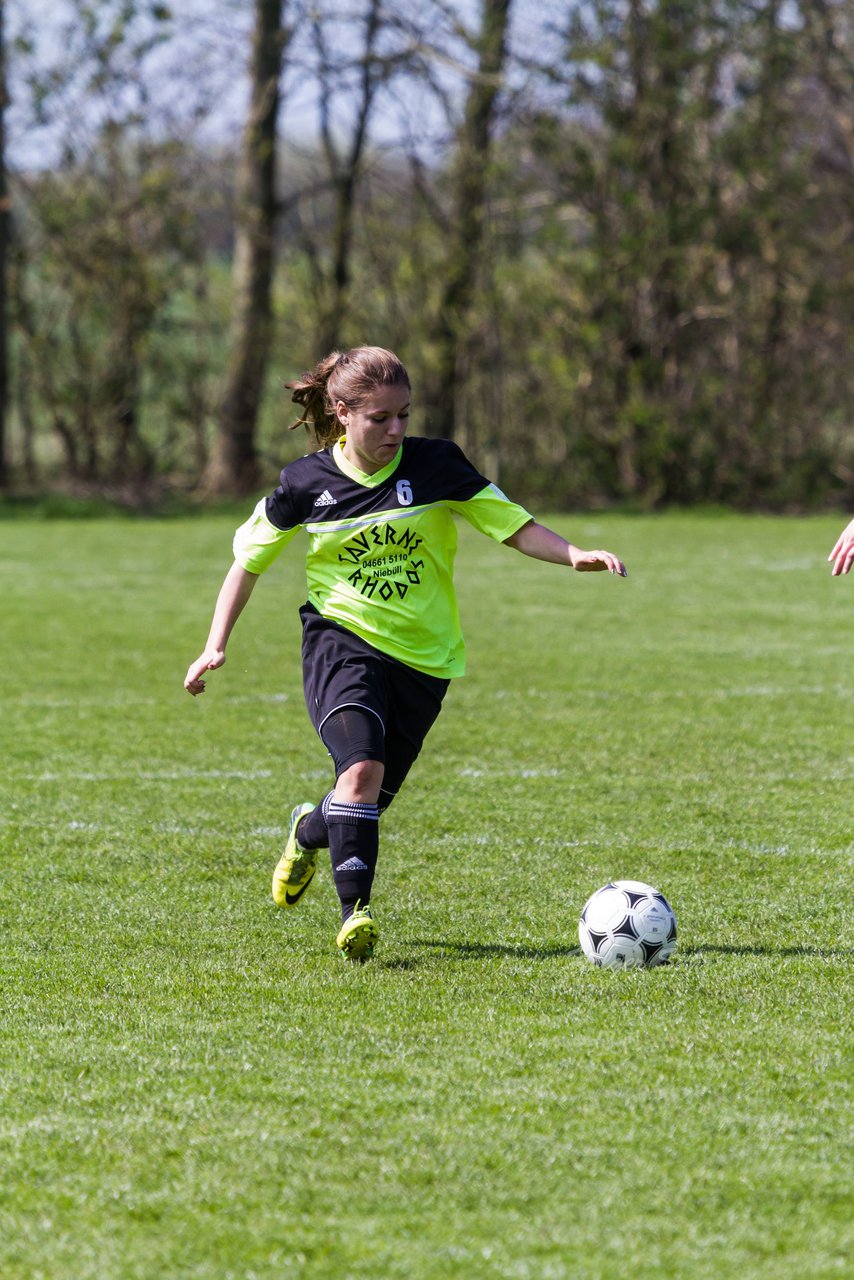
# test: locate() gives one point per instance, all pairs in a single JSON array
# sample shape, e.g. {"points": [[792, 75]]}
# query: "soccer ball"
{"points": [[627, 925]]}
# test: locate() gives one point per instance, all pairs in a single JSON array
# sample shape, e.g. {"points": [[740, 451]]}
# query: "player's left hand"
{"points": [[598, 562]]}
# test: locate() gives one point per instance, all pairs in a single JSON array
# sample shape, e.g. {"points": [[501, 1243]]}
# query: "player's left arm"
{"points": [[541, 543]]}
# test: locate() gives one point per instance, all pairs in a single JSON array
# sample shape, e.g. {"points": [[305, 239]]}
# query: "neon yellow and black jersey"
{"points": [[381, 547]]}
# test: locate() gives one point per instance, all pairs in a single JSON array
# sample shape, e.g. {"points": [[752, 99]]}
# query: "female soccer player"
{"points": [[842, 554], [381, 632]]}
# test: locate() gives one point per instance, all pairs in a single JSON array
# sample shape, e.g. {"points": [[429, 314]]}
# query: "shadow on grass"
{"points": [[478, 950], [819, 953], [683, 955]]}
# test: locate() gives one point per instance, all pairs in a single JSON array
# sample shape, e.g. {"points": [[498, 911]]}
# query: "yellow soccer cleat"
{"points": [[296, 867], [358, 935]]}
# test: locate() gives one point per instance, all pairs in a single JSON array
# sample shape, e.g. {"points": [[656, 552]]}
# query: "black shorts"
{"points": [[341, 670]]}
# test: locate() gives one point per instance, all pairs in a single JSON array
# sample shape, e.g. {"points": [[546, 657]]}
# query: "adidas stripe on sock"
{"points": [[353, 849]]}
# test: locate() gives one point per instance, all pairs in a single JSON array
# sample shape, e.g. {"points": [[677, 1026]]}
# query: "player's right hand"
{"points": [[842, 554], [208, 661]]}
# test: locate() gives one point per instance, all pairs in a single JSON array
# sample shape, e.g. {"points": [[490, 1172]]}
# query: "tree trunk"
{"points": [[232, 468], [345, 165], [467, 221], [4, 256]]}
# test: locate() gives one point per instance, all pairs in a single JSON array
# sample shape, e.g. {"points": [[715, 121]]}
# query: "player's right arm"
{"points": [[842, 554], [233, 595]]}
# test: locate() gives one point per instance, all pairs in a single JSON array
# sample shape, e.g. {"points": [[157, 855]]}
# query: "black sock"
{"points": [[354, 839], [312, 832]]}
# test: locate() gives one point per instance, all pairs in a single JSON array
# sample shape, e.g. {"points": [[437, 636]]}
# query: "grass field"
{"points": [[195, 1086]]}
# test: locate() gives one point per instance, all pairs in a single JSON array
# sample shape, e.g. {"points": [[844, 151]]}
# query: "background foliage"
{"points": [[662, 262]]}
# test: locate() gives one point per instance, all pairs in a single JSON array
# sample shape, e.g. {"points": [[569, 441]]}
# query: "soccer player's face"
{"points": [[376, 428]]}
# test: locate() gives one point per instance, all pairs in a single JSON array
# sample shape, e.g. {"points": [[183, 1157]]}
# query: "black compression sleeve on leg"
{"points": [[385, 799], [353, 734]]}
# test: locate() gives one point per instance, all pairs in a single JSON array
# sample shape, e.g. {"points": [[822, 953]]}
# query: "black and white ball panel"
{"points": [[627, 924]]}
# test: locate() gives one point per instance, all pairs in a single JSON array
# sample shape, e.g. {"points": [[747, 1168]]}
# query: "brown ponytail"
{"points": [[347, 376]]}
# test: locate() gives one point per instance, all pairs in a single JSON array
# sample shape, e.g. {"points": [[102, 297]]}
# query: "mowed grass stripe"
{"points": [[194, 1085]]}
